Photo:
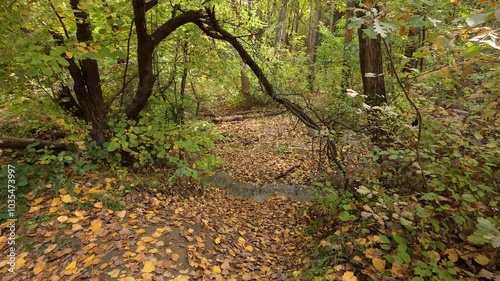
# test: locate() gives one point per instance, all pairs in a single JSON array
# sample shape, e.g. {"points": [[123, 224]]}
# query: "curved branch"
{"points": [[417, 112]]}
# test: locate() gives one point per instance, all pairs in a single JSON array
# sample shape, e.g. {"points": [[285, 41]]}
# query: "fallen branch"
{"points": [[22, 143], [287, 171], [240, 117]]}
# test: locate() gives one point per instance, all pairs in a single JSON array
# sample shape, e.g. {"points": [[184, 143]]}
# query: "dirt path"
{"points": [[104, 231], [261, 149], [211, 236]]}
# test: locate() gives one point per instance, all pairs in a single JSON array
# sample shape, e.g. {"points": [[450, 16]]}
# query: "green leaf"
{"points": [[113, 146], [345, 216], [399, 239], [385, 239]]}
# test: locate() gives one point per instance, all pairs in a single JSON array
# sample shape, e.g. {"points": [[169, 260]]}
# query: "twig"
{"points": [[417, 111]]}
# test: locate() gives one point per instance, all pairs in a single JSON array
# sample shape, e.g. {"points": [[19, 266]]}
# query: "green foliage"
{"points": [[154, 142]]}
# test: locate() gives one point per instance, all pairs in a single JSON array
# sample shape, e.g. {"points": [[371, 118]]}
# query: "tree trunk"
{"points": [[87, 82], [185, 61], [346, 66], [281, 27], [313, 39], [296, 18], [372, 69], [245, 88], [146, 43]]}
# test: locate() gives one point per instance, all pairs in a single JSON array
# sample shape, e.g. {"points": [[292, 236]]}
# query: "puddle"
{"points": [[224, 181]]}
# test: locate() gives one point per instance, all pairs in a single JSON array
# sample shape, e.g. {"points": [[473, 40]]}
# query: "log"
{"points": [[288, 170], [240, 117], [22, 143]]}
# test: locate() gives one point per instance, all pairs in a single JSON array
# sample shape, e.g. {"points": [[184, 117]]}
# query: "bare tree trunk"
{"points": [[185, 60], [313, 39], [346, 67], [281, 27], [372, 68], [296, 17], [245, 87]]}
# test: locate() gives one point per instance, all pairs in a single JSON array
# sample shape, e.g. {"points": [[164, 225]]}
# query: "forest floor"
{"points": [[107, 229]]}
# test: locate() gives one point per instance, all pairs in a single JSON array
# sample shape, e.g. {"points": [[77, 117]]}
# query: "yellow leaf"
{"points": [[34, 209], [148, 267], [66, 198], [62, 219], [147, 239], [181, 278], [121, 214], [73, 220], [174, 257], [55, 201], [349, 276], [38, 200], [70, 269], [95, 225], [98, 205], [140, 248], [249, 248], [176, 147], [217, 240], [40, 265], [20, 261], [452, 254], [216, 269], [379, 264], [397, 270], [114, 273], [129, 279], [168, 251], [241, 241], [242, 232], [481, 259], [88, 260]]}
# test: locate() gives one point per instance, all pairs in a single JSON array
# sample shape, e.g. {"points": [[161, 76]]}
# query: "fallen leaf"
{"points": [[217, 240], [40, 265], [397, 270], [66, 198], [114, 273], [62, 219], [121, 214], [95, 225], [49, 248], [349, 276], [70, 269], [379, 264], [174, 257], [481, 259], [216, 269], [148, 267], [452, 254], [249, 248]]}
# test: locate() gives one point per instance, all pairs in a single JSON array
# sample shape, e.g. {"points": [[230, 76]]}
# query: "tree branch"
{"points": [[171, 25]]}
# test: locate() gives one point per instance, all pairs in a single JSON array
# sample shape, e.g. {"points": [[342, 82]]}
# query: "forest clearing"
{"points": [[249, 140]]}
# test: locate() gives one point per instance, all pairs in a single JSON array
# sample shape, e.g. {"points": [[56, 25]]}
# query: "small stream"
{"points": [[224, 181]]}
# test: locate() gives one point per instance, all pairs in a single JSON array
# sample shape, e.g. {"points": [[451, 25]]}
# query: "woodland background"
{"points": [[399, 98]]}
